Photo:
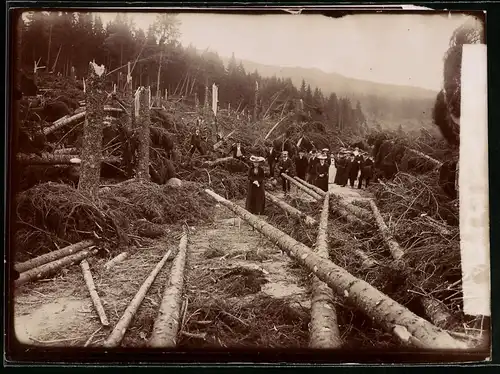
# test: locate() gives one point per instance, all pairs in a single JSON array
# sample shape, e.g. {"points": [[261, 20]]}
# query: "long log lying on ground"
{"points": [[294, 212], [87, 275], [359, 212], [122, 256], [220, 142], [394, 248], [302, 187], [325, 331], [58, 159], [51, 267], [395, 318], [434, 309], [341, 207], [166, 326], [433, 161], [61, 122], [116, 336], [52, 256], [67, 151]]}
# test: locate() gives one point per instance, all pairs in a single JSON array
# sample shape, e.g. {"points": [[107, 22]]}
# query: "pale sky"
{"points": [[404, 49]]}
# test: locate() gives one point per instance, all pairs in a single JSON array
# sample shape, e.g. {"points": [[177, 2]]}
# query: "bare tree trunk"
{"points": [[294, 212], [143, 123], [92, 131], [302, 187], [395, 318], [166, 326], [89, 281], [48, 50], [325, 331], [256, 104], [158, 92]]}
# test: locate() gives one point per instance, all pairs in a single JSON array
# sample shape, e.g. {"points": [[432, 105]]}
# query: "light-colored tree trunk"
{"points": [[51, 267], [122, 256], [166, 326], [294, 212], [91, 154], [116, 336], [89, 281], [324, 329], [392, 316], [302, 187], [52, 256]]}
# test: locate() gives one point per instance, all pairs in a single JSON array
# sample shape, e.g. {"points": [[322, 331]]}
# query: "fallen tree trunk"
{"points": [[122, 256], [434, 309], [67, 151], [294, 212], [116, 336], [316, 189], [87, 275], [52, 256], [166, 326], [435, 162], [324, 331], [394, 248], [51, 267], [302, 187], [61, 122], [220, 142], [58, 159], [395, 318]]}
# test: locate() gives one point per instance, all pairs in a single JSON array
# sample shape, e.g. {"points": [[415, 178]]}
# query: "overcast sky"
{"points": [[404, 49]]}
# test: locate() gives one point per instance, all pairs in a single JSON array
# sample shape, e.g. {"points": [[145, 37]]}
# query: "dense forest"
{"points": [[64, 43]]}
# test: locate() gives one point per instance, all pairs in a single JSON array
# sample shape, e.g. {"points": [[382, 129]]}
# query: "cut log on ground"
{"points": [[300, 186], [48, 159], [89, 281], [220, 142], [325, 331], [433, 161], [52, 256], [51, 267], [316, 189], [395, 318], [122, 256], [166, 326], [394, 248], [116, 336], [294, 212], [434, 309], [67, 151]]}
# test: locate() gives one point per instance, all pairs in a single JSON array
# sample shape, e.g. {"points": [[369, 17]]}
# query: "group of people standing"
{"points": [[353, 165]]}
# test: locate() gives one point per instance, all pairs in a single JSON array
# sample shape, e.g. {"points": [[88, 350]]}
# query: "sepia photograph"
{"points": [[195, 179]]}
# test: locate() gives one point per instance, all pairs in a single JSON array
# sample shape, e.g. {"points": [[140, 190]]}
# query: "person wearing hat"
{"points": [[356, 164], [256, 197], [311, 178], [196, 143], [322, 173], [285, 167], [237, 151], [324, 152], [301, 164], [272, 158], [341, 164], [366, 172]]}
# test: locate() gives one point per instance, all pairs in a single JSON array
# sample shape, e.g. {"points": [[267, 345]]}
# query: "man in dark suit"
{"points": [[272, 158], [301, 165]]}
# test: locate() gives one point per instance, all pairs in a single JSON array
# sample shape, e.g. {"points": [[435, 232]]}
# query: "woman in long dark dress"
{"points": [[256, 198], [322, 173]]}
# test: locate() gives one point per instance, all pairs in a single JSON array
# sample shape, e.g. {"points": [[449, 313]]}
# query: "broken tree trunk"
{"points": [[143, 122], [51, 267], [87, 275], [433, 161], [166, 326], [67, 151], [392, 316], [324, 331], [436, 311], [294, 212], [52, 256], [116, 336], [122, 256], [394, 248], [95, 96], [220, 142], [302, 187], [48, 159], [256, 102], [274, 127]]}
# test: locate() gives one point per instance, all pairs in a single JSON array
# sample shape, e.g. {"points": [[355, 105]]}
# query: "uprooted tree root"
{"points": [[57, 213]]}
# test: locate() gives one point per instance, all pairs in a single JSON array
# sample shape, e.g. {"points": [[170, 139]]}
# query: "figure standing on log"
{"points": [[237, 151], [256, 199], [322, 173], [285, 167], [196, 143], [272, 158], [301, 165]]}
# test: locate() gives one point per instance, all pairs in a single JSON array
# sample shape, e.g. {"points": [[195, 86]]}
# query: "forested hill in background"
{"points": [[389, 105]]}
